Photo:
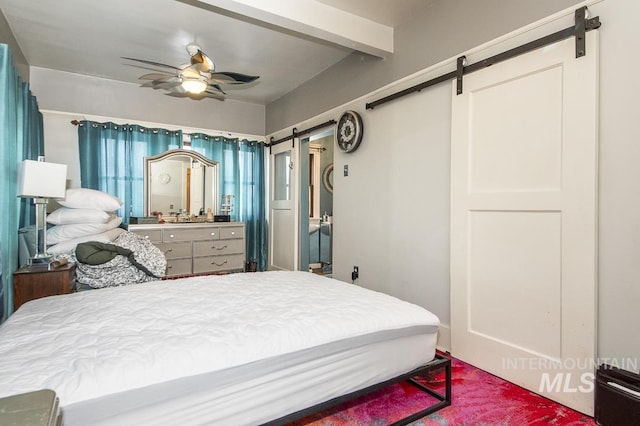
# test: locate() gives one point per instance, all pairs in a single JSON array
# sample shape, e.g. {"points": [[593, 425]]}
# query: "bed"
{"points": [[241, 349]]}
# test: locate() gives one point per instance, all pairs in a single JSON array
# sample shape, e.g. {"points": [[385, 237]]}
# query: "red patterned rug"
{"points": [[479, 399]]}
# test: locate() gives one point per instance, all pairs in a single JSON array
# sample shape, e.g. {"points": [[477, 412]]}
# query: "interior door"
{"points": [[283, 246], [523, 221]]}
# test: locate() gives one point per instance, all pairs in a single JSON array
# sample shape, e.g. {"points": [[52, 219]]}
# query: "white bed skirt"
{"points": [[252, 397]]}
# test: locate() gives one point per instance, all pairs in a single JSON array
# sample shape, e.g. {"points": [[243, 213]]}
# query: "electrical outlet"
{"points": [[355, 274]]}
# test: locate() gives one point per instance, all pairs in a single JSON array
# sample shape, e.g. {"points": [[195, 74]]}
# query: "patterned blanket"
{"points": [[145, 263]]}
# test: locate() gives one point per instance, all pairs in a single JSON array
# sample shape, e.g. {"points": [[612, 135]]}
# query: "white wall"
{"points": [[391, 213], [619, 203], [6, 37]]}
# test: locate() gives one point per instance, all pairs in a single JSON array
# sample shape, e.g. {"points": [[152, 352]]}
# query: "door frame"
{"points": [[275, 236]]}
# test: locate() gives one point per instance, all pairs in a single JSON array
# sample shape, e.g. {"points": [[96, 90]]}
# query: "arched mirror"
{"points": [[180, 180]]}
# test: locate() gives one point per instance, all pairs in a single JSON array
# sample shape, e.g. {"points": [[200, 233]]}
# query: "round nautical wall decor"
{"points": [[349, 131]]}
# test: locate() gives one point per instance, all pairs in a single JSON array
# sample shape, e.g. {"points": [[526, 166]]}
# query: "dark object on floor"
{"points": [[252, 265], [617, 397]]}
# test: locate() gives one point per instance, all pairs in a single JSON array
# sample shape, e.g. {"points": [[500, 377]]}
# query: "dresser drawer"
{"points": [[153, 235], [229, 232], [177, 250], [178, 267], [190, 234], [217, 248], [218, 263]]}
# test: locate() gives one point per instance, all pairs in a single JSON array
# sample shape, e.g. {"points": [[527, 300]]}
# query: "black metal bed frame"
{"points": [[444, 400]]}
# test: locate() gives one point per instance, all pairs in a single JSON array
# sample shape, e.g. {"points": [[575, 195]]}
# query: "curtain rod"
{"points": [[77, 123], [582, 24]]}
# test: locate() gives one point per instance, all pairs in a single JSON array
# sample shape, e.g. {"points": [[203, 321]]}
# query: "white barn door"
{"points": [[283, 247], [523, 221]]}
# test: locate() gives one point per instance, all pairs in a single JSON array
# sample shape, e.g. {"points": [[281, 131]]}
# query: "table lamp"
{"points": [[41, 181]]}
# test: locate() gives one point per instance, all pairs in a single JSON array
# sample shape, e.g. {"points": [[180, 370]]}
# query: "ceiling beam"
{"points": [[318, 20]]}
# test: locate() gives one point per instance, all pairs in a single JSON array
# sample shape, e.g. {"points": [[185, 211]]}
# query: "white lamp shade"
{"points": [[38, 179]]}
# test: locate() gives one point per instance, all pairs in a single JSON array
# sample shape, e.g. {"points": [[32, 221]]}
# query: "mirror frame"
{"points": [[327, 178], [175, 153]]}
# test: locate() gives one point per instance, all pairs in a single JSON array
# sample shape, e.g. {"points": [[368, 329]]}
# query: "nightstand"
{"points": [[36, 281]]}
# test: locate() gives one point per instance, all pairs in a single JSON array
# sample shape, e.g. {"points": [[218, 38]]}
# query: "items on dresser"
{"points": [[197, 248], [36, 281]]}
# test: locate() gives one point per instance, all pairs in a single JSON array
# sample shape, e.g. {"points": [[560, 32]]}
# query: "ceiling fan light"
{"points": [[194, 85]]}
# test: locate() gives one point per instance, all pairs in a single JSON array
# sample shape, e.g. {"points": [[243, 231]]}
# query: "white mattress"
{"points": [[144, 352]]}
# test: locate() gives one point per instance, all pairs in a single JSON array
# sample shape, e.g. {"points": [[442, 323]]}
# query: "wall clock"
{"points": [[327, 178], [164, 178], [349, 131]]}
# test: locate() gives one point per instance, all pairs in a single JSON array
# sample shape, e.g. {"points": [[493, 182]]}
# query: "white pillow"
{"points": [[70, 245], [67, 216], [84, 198], [59, 233]]}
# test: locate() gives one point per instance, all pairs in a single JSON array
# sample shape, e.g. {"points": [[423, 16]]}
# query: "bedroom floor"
{"points": [[479, 398]]}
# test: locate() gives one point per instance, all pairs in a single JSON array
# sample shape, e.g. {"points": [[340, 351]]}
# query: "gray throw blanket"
{"points": [[130, 259]]}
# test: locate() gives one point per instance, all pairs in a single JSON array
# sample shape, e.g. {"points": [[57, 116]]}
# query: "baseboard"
{"points": [[444, 338]]}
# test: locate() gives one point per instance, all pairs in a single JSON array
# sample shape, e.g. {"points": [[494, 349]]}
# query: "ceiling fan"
{"points": [[196, 80]]}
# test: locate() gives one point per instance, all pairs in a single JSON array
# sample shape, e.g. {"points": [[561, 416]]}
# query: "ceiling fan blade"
{"points": [[177, 94], [163, 83], [167, 85], [212, 88], [194, 96], [155, 76], [202, 62], [157, 64], [232, 78], [214, 96]]}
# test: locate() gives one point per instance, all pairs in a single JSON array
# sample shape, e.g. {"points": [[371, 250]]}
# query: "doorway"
{"points": [[316, 203]]}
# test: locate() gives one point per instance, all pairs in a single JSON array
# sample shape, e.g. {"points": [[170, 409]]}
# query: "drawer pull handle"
{"points": [[169, 266], [219, 248], [218, 264], [233, 233], [146, 236], [171, 236], [168, 251], [213, 234]]}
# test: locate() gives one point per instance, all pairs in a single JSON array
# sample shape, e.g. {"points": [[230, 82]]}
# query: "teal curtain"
{"points": [[112, 159], [241, 174], [20, 138], [33, 146]]}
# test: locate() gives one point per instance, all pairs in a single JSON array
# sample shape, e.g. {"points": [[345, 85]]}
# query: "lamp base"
{"points": [[41, 259]]}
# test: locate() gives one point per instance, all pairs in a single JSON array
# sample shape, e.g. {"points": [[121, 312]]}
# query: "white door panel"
{"points": [[282, 212], [523, 221]]}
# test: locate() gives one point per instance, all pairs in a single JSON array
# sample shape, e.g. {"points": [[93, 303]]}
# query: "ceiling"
{"points": [[285, 42]]}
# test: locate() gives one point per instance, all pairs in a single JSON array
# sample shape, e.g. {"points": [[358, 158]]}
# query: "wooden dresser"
{"points": [[197, 248]]}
